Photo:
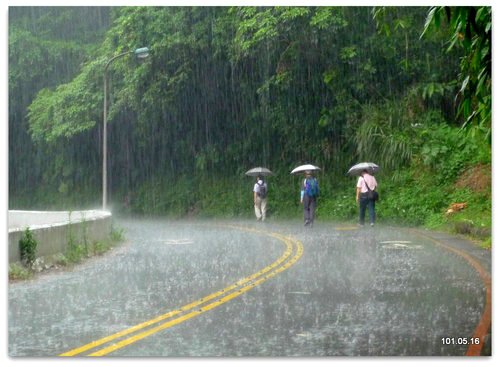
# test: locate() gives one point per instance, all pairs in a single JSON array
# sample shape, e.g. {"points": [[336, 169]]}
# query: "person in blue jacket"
{"points": [[308, 196]]}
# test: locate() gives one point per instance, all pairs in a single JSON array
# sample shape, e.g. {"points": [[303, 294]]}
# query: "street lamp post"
{"points": [[140, 53]]}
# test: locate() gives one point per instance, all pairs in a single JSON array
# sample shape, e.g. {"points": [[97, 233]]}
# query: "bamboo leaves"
{"points": [[470, 29]]}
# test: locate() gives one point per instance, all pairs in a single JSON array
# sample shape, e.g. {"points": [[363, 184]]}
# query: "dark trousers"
{"points": [[309, 209], [364, 203]]}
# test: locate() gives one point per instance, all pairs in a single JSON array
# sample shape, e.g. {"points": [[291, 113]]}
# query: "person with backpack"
{"points": [[308, 196], [365, 198], [260, 198]]}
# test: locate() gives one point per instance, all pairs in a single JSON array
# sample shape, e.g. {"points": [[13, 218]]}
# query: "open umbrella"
{"points": [[258, 171], [360, 167], [305, 167]]}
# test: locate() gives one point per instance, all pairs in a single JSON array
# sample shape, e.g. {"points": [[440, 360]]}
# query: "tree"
{"points": [[470, 29], [226, 88]]}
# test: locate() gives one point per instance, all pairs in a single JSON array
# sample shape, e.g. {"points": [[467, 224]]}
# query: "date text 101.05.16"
{"points": [[460, 341]]}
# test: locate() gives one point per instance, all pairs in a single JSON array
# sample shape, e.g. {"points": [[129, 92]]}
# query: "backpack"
{"points": [[312, 187], [262, 190]]}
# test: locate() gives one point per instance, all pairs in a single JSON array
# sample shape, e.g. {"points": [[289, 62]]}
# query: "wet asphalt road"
{"points": [[342, 291]]}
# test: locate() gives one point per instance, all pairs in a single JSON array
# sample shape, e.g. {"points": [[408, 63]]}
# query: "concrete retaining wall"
{"points": [[53, 230]]}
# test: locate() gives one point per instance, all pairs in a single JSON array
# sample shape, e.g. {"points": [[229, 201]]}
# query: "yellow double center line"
{"points": [[293, 252]]}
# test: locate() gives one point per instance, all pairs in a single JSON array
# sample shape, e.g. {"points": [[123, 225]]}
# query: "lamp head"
{"points": [[142, 52]]}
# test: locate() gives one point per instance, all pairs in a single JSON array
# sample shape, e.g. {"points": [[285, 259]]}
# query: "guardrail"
{"points": [[54, 230]]}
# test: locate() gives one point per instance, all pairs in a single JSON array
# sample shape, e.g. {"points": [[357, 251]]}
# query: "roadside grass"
{"points": [[407, 198], [20, 272]]}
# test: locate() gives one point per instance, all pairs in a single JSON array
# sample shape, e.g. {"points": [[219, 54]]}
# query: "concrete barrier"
{"points": [[54, 230]]}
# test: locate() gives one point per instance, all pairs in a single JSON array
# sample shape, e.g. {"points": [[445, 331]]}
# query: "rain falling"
{"points": [[249, 181]]}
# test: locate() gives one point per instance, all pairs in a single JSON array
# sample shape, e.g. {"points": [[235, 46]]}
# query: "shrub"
{"points": [[27, 246]]}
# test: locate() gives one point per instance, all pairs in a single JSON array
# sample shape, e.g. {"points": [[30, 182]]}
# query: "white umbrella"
{"points": [[258, 171], [305, 167], [357, 169]]}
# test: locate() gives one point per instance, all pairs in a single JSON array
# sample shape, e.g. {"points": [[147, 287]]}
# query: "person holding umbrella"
{"points": [[260, 198], [308, 196], [260, 191], [365, 190], [309, 191]]}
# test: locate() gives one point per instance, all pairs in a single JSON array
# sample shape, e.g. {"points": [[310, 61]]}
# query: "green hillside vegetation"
{"points": [[229, 88]]}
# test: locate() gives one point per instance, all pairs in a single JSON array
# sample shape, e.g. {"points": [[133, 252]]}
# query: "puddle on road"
{"points": [[400, 245], [307, 335], [182, 241]]}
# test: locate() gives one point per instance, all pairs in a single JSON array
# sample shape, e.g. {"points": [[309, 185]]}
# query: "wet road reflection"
{"points": [[375, 291]]}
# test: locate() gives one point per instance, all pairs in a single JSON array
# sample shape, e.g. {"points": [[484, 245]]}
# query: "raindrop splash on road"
{"points": [[349, 294]]}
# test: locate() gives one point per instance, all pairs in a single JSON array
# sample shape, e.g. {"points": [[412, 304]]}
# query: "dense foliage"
{"points": [[471, 29], [47, 46], [229, 88]]}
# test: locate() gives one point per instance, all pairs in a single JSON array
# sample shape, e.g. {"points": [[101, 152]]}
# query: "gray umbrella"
{"points": [[360, 167], [258, 171]]}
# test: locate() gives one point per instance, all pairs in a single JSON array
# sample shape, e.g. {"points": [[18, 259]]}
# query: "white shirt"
{"points": [[256, 187]]}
